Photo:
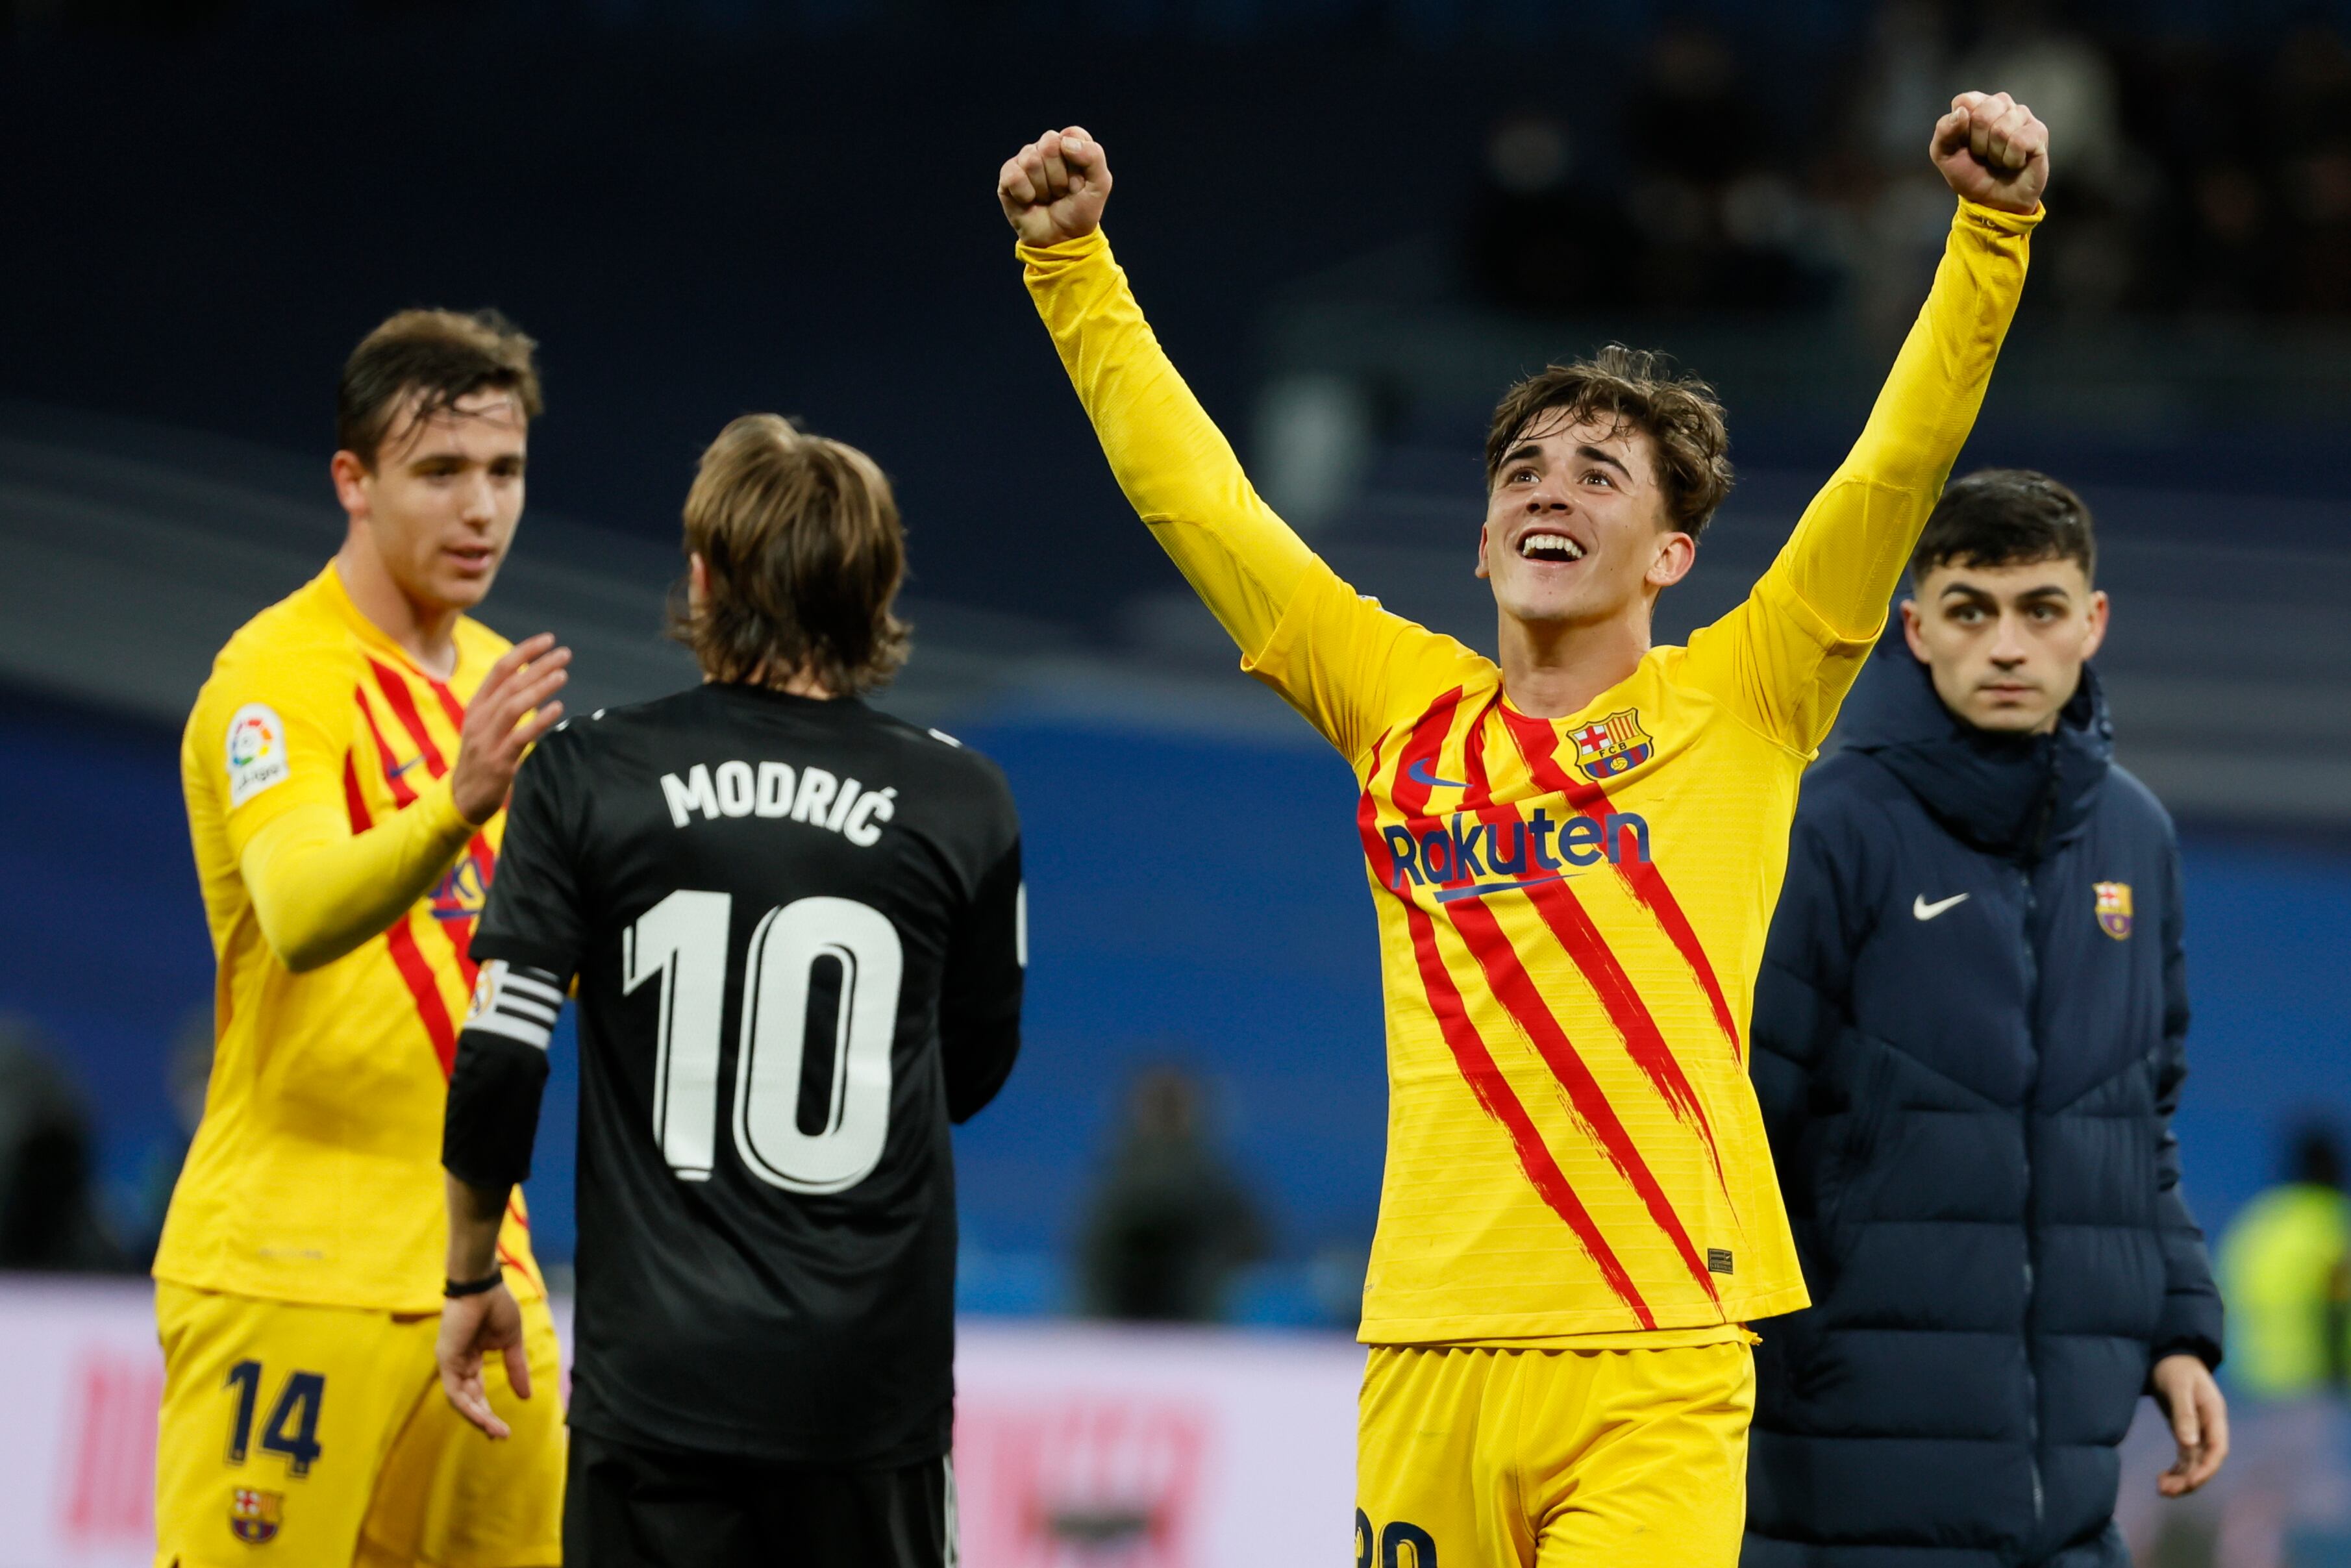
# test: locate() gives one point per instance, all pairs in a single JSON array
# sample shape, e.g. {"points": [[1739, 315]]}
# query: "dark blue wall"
{"points": [[1191, 900]]}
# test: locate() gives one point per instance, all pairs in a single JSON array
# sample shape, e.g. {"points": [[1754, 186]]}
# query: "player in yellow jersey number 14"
{"points": [[1579, 1214], [346, 768]]}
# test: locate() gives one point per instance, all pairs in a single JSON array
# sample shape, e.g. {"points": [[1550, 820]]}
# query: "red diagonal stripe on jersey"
{"points": [[1538, 745], [451, 708], [402, 795], [1493, 1092], [1427, 738], [394, 686], [1515, 988], [425, 989], [354, 802], [1580, 936], [1475, 1065]]}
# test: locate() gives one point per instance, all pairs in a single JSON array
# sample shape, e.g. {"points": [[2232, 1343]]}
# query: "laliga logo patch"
{"points": [[254, 1516], [2114, 908], [257, 752], [1613, 747]]}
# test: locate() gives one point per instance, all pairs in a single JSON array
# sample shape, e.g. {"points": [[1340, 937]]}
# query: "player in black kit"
{"points": [[797, 930]]}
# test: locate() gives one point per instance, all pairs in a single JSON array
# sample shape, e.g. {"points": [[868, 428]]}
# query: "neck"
{"points": [[803, 681], [1552, 669], [425, 632]]}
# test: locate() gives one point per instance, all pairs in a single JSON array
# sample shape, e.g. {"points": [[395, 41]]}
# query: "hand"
{"points": [[1054, 188], [471, 1327], [2183, 1387], [491, 745], [1993, 150]]}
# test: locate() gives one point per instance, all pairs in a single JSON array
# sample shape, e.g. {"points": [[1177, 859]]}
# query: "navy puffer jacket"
{"points": [[1970, 1035]]}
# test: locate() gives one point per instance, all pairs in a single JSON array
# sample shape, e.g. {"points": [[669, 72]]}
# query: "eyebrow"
{"points": [[1595, 455], [2044, 590]]}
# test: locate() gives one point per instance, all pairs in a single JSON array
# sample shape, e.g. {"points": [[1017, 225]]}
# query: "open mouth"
{"points": [[1550, 546]]}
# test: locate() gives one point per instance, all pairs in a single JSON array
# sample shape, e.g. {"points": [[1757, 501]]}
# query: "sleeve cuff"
{"points": [[1059, 258], [1975, 214], [2201, 1347], [440, 801]]}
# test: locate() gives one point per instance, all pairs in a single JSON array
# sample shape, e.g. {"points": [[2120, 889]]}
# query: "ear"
{"points": [[697, 579], [1484, 529], [1676, 553], [2099, 607], [1913, 631], [352, 481]]}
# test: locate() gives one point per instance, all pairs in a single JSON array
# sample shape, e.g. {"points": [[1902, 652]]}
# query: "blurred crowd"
{"points": [[2196, 175]]}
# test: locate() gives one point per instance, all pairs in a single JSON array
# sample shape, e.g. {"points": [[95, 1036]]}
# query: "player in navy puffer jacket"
{"points": [[1968, 1042]]}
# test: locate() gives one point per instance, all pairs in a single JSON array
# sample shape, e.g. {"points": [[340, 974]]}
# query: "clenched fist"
{"points": [[1994, 151], [1054, 188]]}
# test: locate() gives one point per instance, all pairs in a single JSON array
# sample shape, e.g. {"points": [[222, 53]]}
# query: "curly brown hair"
{"points": [[1622, 386], [804, 552]]}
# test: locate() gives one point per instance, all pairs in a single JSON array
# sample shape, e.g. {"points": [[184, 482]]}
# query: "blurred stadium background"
{"points": [[1353, 221]]}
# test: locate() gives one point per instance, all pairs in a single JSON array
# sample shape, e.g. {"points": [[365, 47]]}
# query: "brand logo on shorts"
{"points": [[255, 1515]]}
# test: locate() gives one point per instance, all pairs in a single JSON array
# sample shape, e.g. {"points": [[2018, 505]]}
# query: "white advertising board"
{"points": [[1076, 1446]]}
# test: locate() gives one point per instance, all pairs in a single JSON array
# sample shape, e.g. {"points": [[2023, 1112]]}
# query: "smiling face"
{"points": [[2006, 644], [440, 502], [1578, 532]]}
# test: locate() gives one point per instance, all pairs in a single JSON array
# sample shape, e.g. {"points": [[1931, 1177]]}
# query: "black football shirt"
{"points": [[797, 930]]}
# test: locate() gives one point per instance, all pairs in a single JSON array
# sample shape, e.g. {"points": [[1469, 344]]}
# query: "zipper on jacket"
{"points": [[2032, 1087]]}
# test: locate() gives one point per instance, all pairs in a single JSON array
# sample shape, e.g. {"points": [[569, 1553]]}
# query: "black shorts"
{"points": [[626, 1507]]}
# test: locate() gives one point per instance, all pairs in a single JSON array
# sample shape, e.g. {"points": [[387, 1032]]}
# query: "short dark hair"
{"points": [[2005, 516], [1681, 415], [438, 357], [805, 552]]}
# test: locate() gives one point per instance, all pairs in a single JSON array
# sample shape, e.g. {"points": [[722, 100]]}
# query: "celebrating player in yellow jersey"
{"points": [[1574, 854], [347, 766]]}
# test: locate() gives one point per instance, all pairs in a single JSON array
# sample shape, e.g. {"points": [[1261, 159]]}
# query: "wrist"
{"points": [[1070, 249], [455, 1289], [457, 812]]}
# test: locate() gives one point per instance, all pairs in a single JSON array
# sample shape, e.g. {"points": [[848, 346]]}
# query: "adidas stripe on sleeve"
{"points": [[501, 1073]]}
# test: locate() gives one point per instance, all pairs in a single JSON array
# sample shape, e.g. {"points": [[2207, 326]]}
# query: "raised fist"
{"points": [[1993, 150], [1054, 188]]}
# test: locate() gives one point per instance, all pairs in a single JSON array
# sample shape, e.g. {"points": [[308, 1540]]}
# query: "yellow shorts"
{"points": [[1476, 1458], [319, 1436]]}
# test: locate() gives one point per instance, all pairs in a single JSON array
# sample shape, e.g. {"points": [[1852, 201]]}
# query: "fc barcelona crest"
{"points": [[2115, 909], [1613, 745], [254, 1515]]}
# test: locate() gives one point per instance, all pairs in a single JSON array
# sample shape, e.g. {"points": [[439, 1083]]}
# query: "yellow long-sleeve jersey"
{"points": [[341, 885], [1571, 911]]}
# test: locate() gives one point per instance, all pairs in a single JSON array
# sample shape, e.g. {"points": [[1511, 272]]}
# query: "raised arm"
{"points": [[1174, 463], [1792, 650], [1331, 654]]}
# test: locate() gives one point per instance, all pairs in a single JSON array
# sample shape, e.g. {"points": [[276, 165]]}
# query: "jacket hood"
{"points": [[2012, 795]]}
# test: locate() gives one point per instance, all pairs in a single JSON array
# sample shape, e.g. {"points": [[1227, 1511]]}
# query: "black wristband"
{"points": [[452, 1288]]}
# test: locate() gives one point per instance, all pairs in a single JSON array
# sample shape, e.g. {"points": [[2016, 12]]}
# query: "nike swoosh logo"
{"points": [[396, 772], [1925, 911], [1480, 889], [1420, 774]]}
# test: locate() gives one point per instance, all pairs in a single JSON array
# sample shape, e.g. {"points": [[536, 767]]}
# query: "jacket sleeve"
{"points": [[2191, 1322], [1804, 993]]}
